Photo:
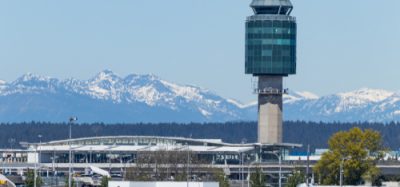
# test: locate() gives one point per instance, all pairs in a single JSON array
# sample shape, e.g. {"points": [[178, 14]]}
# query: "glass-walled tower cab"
{"points": [[271, 39], [270, 56]]}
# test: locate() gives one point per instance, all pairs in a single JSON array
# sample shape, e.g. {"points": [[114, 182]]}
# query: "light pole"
{"points": [[188, 163], [258, 161], [11, 141], [71, 121], [280, 170], [248, 172], [40, 153], [127, 164], [35, 170], [53, 160], [242, 164], [308, 166], [38, 161], [241, 169], [342, 169], [341, 172], [280, 164]]}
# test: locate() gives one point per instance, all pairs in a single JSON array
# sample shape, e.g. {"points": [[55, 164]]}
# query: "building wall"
{"points": [[33, 157], [391, 184]]}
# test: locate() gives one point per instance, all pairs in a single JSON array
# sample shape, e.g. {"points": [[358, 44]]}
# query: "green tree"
{"points": [[357, 151], [104, 181], [72, 181], [296, 178], [221, 178], [181, 177], [29, 181], [257, 179]]}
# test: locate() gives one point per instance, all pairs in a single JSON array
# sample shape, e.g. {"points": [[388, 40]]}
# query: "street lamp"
{"points": [[308, 166], [35, 170], [342, 169], [11, 141], [188, 163], [241, 170], [71, 121], [341, 172], [258, 161], [53, 160], [126, 165], [38, 160], [280, 164], [241, 175], [40, 153], [248, 172]]}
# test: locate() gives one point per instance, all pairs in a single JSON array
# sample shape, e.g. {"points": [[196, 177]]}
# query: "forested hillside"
{"points": [[315, 134]]}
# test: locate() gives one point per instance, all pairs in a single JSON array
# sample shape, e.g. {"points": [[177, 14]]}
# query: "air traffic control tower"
{"points": [[270, 56]]}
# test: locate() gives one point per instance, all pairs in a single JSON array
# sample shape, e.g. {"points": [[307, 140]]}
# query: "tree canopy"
{"points": [[296, 178], [30, 179], [357, 151], [232, 132], [258, 179]]}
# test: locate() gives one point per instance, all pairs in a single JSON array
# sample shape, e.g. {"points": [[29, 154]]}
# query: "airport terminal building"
{"points": [[116, 150], [116, 153]]}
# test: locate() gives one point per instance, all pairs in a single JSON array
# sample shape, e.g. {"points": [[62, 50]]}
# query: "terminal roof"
{"points": [[152, 141]]}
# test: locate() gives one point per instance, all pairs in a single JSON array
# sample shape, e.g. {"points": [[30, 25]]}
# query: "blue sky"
{"points": [[342, 44]]}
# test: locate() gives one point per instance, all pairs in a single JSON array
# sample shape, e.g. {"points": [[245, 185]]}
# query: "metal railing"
{"points": [[271, 17], [271, 91]]}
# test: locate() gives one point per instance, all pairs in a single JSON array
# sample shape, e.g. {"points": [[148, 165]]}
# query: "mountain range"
{"points": [[109, 98]]}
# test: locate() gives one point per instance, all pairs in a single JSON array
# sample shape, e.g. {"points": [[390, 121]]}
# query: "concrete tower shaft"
{"points": [[270, 109], [270, 55]]}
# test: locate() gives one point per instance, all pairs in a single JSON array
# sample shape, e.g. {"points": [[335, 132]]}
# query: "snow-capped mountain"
{"points": [[110, 98], [371, 105]]}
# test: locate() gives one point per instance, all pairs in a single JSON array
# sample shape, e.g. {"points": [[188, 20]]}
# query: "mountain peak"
{"points": [[293, 97], [150, 77], [105, 76], [306, 95], [28, 77], [371, 91], [106, 73], [140, 79], [367, 94], [241, 105]]}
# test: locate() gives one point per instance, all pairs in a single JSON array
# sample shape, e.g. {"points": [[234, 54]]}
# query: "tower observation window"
{"points": [[283, 10], [267, 10]]}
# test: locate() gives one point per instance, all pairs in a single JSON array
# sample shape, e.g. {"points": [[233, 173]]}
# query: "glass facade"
{"points": [[270, 47]]}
